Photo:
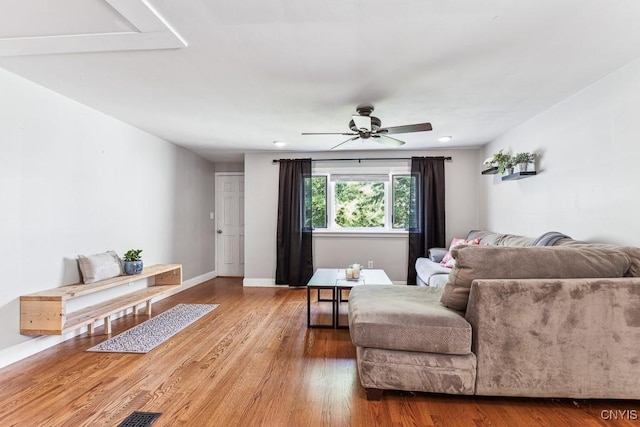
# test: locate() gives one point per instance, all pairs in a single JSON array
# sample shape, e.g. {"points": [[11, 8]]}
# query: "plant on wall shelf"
{"points": [[490, 162], [522, 159], [503, 161]]}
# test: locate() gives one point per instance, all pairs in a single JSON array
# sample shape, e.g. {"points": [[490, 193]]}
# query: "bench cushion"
{"points": [[409, 318]]}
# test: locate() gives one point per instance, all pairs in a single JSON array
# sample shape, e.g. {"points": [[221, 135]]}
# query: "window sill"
{"points": [[361, 234]]}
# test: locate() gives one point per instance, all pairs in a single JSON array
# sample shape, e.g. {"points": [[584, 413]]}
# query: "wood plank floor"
{"points": [[250, 362]]}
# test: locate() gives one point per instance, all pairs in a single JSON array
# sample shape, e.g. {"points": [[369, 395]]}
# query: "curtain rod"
{"points": [[367, 159]]}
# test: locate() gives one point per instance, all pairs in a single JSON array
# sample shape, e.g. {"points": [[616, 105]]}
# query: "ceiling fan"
{"points": [[366, 126]]}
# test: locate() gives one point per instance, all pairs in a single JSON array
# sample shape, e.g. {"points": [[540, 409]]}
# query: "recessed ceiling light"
{"points": [[445, 138], [279, 143]]}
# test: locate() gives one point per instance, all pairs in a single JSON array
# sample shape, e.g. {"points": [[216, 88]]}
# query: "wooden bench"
{"points": [[44, 313]]}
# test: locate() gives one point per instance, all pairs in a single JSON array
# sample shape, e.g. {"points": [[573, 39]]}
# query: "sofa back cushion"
{"points": [[631, 251], [499, 239], [499, 262]]}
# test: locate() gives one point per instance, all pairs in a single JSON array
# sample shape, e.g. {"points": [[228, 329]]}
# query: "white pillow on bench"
{"points": [[100, 266]]}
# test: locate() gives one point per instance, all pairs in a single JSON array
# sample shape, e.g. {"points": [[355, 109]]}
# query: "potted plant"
{"points": [[490, 162], [524, 160], [133, 261], [504, 162]]}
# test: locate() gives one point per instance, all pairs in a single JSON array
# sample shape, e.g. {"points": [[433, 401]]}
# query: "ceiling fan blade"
{"points": [[344, 142], [420, 127], [362, 122], [388, 141], [328, 133]]}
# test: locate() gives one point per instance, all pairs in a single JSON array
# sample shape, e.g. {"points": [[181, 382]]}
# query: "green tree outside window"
{"points": [[401, 193]]}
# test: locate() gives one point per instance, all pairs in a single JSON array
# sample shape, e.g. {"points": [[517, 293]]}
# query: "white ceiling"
{"points": [[256, 71]]}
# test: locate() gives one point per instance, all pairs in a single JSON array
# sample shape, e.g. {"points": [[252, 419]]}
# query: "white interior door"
{"points": [[230, 224]]}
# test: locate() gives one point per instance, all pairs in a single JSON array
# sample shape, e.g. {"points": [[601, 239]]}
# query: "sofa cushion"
{"points": [[495, 262], [406, 318], [438, 280], [436, 254], [426, 269], [416, 371], [499, 239], [631, 251]]}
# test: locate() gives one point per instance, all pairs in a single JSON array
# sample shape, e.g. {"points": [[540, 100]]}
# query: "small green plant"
{"points": [[503, 161], [524, 158], [133, 255]]}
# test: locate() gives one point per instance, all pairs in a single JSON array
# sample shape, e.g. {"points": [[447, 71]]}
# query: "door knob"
{"points": [[219, 231]]}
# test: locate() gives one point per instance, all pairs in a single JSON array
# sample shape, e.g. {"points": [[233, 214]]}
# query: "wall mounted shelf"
{"points": [[518, 175], [490, 171]]}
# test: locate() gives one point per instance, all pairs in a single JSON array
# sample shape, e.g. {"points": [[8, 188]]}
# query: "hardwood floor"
{"points": [[250, 362]]}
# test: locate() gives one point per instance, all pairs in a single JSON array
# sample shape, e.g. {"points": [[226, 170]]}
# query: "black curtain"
{"points": [[426, 210], [294, 262]]}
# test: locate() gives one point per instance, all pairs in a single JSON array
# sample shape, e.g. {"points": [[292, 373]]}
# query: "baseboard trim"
{"points": [[190, 283], [35, 345], [260, 283]]}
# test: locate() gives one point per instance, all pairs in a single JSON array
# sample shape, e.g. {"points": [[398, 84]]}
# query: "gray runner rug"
{"points": [[146, 336]]}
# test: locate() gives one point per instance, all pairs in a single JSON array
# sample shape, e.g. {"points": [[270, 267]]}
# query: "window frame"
{"points": [[388, 228], [326, 201], [392, 196]]}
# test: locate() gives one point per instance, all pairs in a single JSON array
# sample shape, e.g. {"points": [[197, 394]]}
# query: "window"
{"points": [[319, 201], [360, 202], [401, 194]]}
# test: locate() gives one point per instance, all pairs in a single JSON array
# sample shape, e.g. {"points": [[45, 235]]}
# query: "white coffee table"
{"points": [[334, 279]]}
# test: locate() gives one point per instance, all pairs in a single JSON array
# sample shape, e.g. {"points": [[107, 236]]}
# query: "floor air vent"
{"points": [[140, 419]]}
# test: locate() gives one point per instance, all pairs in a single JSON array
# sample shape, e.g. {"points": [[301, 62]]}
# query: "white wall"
{"points": [[388, 253], [75, 181], [586, 186]]}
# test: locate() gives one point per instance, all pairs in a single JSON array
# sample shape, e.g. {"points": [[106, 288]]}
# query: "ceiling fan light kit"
{"points": [[365, 126]]}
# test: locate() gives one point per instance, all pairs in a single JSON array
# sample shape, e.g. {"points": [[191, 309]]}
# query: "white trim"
{"points": [[153, 33], [32, 346], [260, 283], [217, 175], [35, 345], [189, 284], [332, 178], [360, 234]]}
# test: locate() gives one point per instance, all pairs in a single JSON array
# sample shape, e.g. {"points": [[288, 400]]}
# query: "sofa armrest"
{"points": [[575, 338], [436, 254]]}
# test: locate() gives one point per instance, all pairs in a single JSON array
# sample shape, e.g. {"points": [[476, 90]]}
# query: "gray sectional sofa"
{"points": [[431, 273], [559, 321]]}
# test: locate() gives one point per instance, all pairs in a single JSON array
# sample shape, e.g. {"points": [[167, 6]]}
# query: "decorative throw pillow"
{"points": [[448, 260], [100, 266]]}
